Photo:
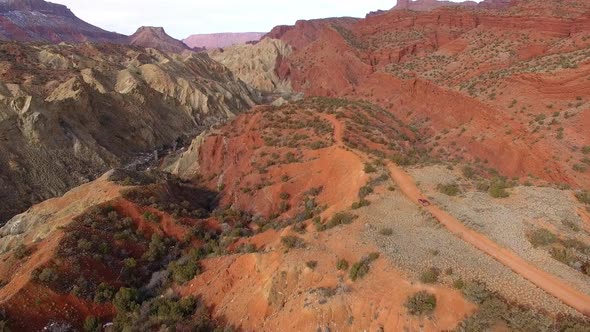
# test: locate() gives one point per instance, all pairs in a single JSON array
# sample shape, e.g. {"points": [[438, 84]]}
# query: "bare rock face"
{"points": [[426, 5], [38, 20], [156, 37], [69, 113], [221, 40], [256, 64]]}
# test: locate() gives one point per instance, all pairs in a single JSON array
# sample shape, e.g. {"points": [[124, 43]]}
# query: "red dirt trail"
{"points": [[541, 279], [546, 281]]}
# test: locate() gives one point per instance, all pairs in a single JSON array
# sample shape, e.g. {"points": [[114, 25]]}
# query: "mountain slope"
{"points": [[68, 113], [221, 40], [38, 20], [498, 87], [155, 37]]}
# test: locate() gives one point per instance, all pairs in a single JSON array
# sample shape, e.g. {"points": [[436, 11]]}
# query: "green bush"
{"points": [[421, 303], [369, 168], [342, 264], [312, 264], [185, 271], [91, 324], [498, 188], [360, 204], [430, 276], [386, 232], [583, 197], [104, 293], [468, 172], [358, 270], [475, 292], [148, 216], [341, 218], [292, 242], [542, 237], [126, 300], [450, 189], [21, 252]]}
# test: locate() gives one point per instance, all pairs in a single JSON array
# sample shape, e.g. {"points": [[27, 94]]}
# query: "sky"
{"points": [[181, 18]]}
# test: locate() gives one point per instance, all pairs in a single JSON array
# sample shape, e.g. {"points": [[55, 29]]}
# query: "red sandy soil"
{"points": [[29, 304], [274, 290], [420, 65], [227, 156]]}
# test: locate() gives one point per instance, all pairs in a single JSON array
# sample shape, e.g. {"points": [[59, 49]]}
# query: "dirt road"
{"points": [[546, 281]]}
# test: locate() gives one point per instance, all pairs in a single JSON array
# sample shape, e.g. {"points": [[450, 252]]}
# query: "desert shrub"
{"points": [[458, 283], [342, 264], [47, 275], [386, 232], [369, 168], [542, 237], [285, 196], [586, 150], [581, 168], [341, 218], [148, 216], [583, 197], [292, 242], [373, 256], [312, 264], [360, 204], [365, 191], [91, 324], [468, 172], [421, 303], [168, 310], [359, 270], [104, 293], [449, 189], [475, 292], [498, 188], [430, 276], [126, 300], [21, 252], [184, 270]]}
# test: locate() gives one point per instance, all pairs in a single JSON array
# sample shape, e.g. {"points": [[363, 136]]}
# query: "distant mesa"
{"points": [[425, 5], [221, 40], [38, 20], [156, 37]]}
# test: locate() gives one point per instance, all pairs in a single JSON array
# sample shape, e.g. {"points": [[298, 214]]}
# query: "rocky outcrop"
{"points": [[256, 64], [221, 40], [156, 37], [38, 20], [307, 31], [69, 113], [426, 5], [481, 53]]}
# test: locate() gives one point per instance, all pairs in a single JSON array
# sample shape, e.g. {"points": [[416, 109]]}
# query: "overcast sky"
{"points": [[182, 18]]}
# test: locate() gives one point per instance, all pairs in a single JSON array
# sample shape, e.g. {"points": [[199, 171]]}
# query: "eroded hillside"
{"points": [[506, 87], [69, 113], [284, 220]]}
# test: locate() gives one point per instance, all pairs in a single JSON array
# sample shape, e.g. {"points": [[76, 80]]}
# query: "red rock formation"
{"points": [[156, 37], [426, 5], [37, 20], [221, 40], [392, 58]]}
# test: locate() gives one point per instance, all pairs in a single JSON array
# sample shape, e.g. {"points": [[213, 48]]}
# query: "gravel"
{"points": [[419, 243]]}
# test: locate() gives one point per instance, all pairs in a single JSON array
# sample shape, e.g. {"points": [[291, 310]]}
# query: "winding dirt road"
{"points": [[546, 281]]}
